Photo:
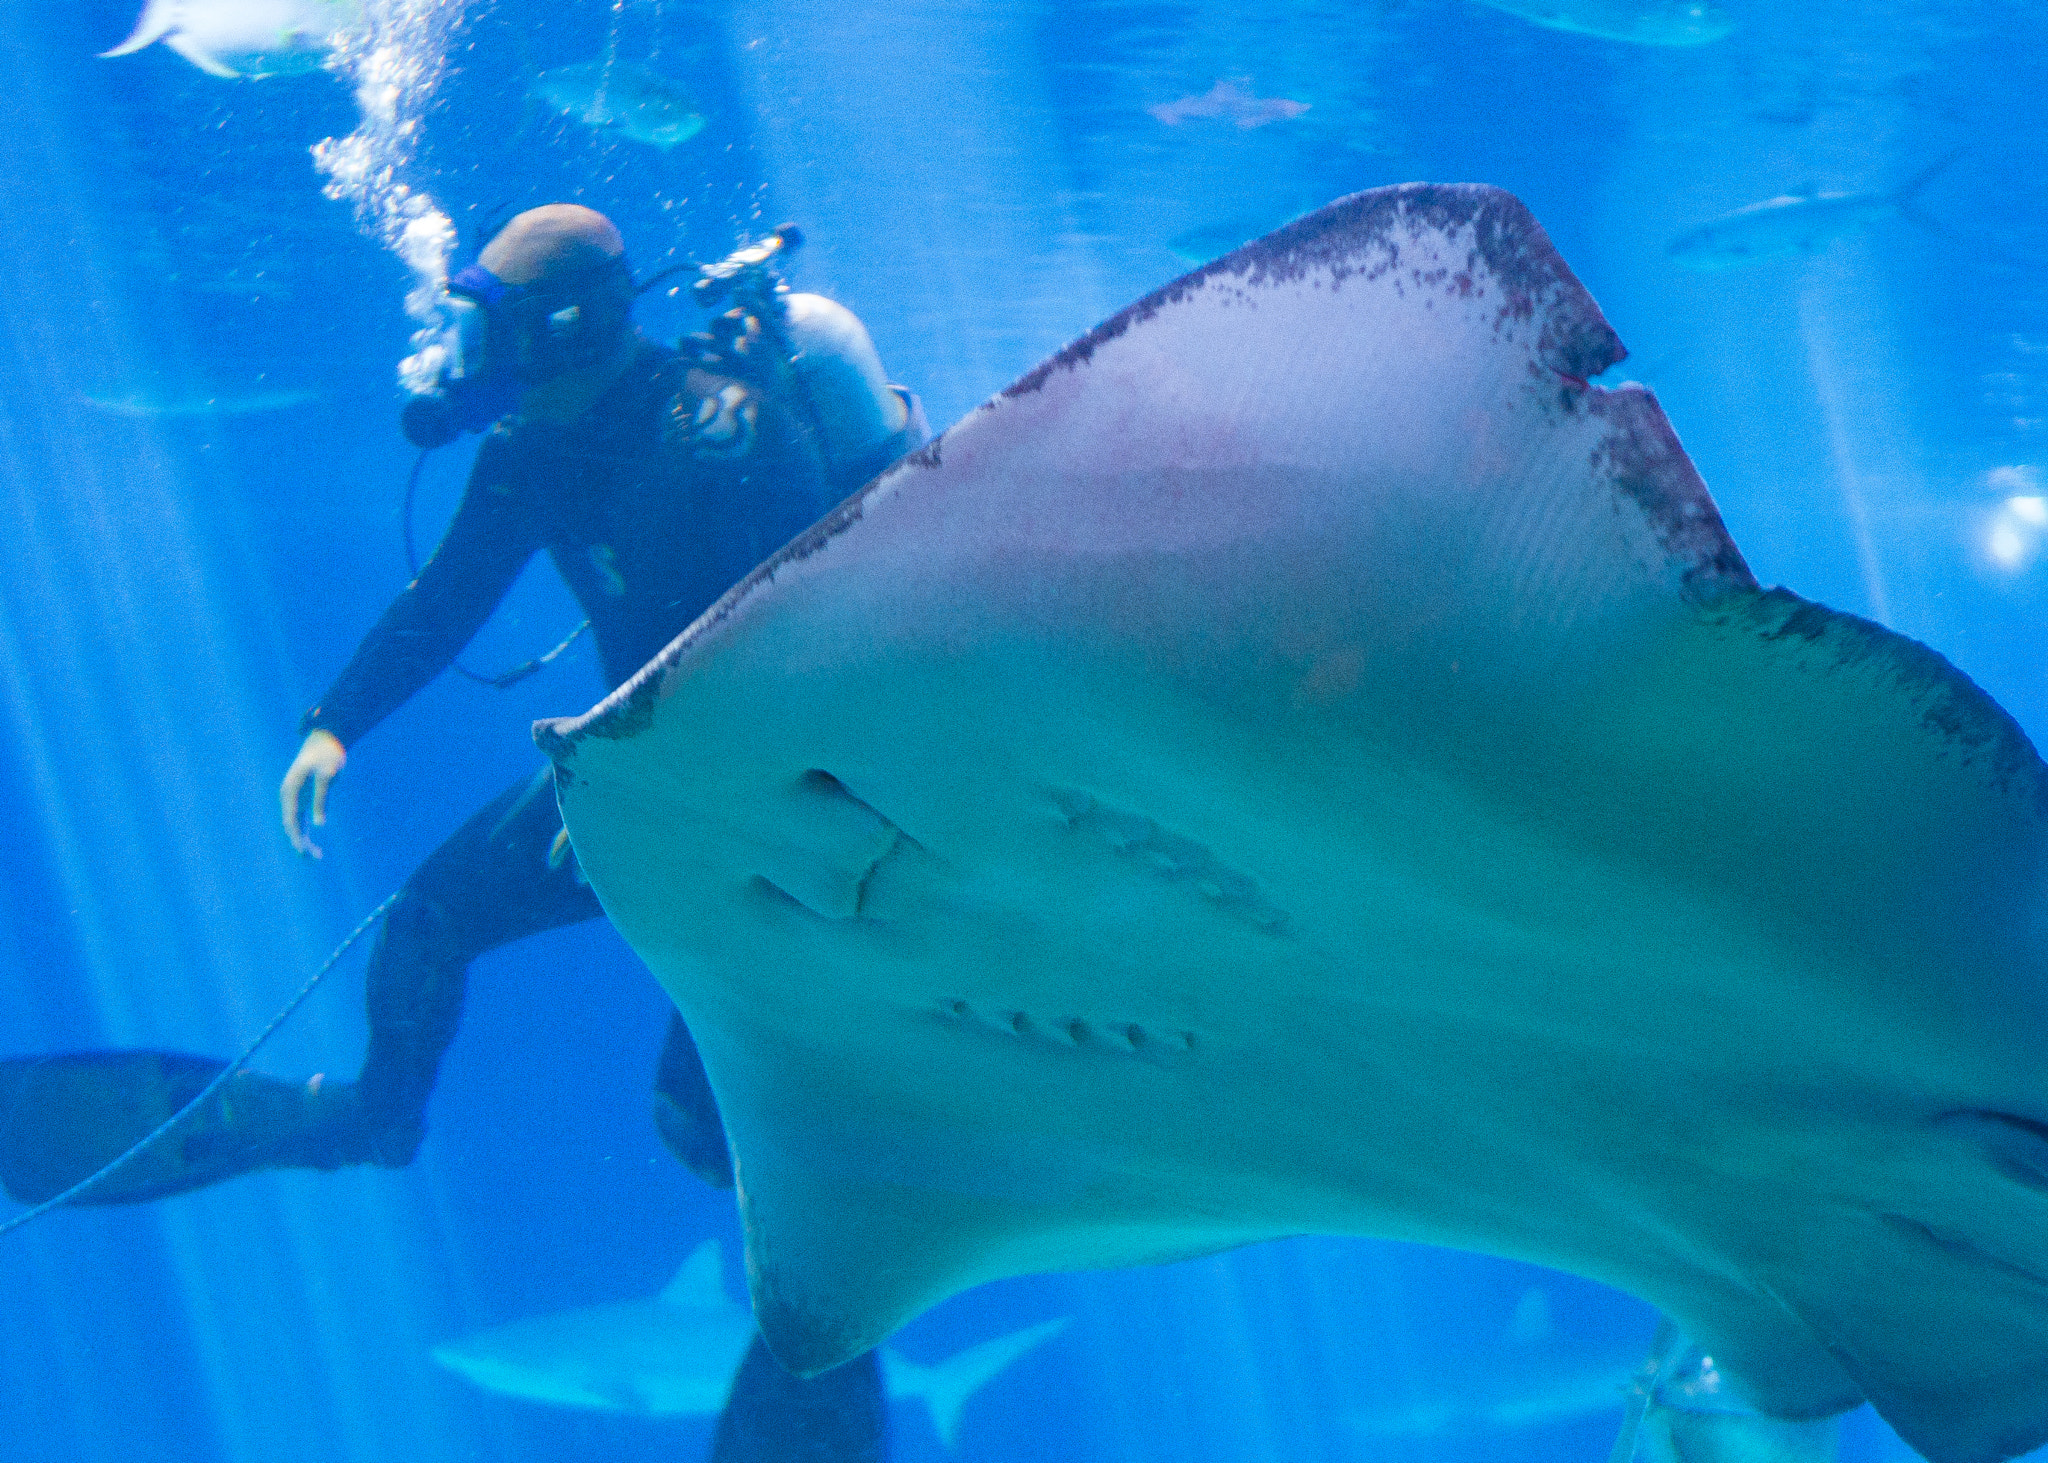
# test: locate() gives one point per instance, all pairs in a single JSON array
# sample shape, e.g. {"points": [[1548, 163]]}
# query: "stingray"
{"points": [[1305, 760]]}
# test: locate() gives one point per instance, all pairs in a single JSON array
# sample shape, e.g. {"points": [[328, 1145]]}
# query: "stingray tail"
{"points": [[158, 16], [945, 1388]]}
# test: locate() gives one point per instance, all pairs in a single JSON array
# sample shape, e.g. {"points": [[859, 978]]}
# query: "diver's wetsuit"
{"points": [[647, 532]]}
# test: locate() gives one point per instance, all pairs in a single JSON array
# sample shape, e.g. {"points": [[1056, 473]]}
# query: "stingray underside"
{"points": [[1304, 759]]}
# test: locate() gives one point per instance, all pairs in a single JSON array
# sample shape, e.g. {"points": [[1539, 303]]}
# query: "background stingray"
{"points": [[1302, 760]]}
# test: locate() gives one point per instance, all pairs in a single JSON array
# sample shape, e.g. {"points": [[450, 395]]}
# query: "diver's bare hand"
{"points": [[321, 757]]}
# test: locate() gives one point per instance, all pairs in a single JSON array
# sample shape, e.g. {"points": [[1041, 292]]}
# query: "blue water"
{"points": [[981, 182]]}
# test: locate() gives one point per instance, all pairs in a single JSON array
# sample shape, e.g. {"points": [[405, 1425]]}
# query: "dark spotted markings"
{"points": [[1169, 856]]}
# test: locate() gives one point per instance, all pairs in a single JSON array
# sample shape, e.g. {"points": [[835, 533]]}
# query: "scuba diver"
{"points": [[655, 479]]}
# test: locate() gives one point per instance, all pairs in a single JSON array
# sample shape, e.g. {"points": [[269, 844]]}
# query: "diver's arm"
{"points": [[492, 536], [489, 541]]}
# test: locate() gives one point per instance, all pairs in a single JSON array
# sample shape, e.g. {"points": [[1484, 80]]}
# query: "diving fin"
{"points": [[64, 1117]]}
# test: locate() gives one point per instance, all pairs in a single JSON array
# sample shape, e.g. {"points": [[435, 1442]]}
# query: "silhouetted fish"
{"points": [[1642, 22], [234, 38], [1795, 223], [1231, 98]]}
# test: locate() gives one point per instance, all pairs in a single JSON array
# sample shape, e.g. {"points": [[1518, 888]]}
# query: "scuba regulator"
{"points": [[501, 337]]}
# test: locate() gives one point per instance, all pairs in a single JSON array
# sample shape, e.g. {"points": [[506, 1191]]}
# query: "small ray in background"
{"points": [[1229, 99]]}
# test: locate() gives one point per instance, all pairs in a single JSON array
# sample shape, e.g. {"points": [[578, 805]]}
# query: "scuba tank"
{"points": [[818, 355]]}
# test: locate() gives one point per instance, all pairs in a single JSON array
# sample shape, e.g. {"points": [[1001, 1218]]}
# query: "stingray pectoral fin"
{"points": [[155, 23], [1938, 1308], [1927, 1296], [845, 1245], [1305, 760], [1775, 1362], [1953, 1364]]}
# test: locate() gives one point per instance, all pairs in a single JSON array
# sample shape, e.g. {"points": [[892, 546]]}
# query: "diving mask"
{"points": [[501, 338]]}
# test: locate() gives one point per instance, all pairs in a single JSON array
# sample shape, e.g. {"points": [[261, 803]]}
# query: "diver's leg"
{"points": [[62, 1117], [685, 1111], [500, 878], [66, 1117], [838, 1416]]}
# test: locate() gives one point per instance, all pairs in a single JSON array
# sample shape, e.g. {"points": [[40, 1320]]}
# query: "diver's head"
{"points": [[557, 241], [563, 298], [541, 324]]}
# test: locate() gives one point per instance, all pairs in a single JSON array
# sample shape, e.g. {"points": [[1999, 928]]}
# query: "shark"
{"points": [[634, 101], [1533, 1375], [243, 38], [1798, 224], [1305, 759], [1639, 22], [674, 1354], [1489, 1409]]}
